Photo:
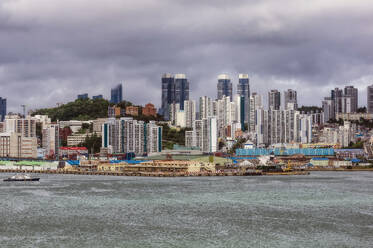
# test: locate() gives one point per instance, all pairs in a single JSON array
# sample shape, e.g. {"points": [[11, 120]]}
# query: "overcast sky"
{"points": [[51, 50]]}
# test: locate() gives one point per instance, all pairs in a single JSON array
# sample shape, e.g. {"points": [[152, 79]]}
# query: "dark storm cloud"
{"points": [[52, 50]]}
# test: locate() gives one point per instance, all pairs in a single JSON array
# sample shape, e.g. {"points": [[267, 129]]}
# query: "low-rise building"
{"points": [[76, 139], [149, 110], [73, 152], [14, 145], [354, 116], [132, 110]]}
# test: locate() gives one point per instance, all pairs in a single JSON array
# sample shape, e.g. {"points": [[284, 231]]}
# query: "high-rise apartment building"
{"points": [[224, 86], [23, 126], [328, 109], [243, 90], [131, 136], [2, 109], [255, 103], [181, 89], [190, 112], [175, 89], [205, 107], [345, 101], [290, 99], [274, 100], [51, 140], [351, 93], [116, 94], [204, 135], [370, 99]]}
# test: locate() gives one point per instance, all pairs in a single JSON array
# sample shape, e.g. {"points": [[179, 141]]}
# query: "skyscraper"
{"points": [[168, 94], [370, 99], [328, 109], [224, 86], [2, 108], [337, 95], [291, 99], [116, 94], [274, 100], [243, 90], [181, 89], [352, 93]]}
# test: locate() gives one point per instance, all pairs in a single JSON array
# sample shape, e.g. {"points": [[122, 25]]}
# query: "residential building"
{"points": [[290, 99], [205, 107], [345, 101], [23, 126], [2, 109], [351, 93], [116, 94], [341, 136], [243, 90], [224, 87], [181, 89], [131, 136], [255, 103], [51, 140], [14, 145], [168, 94], [2, 127], [154, 138], [149, 110], [274, 100], [190, 112], [328, 109], [132, 110], [204, 135], [113, 111], [370, 99], [97, 125]]}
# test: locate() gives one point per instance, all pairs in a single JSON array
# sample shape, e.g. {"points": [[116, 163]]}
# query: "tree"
{"points": [[92, 142]]}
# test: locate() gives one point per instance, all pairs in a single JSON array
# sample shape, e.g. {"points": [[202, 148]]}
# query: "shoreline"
{"points": [[181, 174]]}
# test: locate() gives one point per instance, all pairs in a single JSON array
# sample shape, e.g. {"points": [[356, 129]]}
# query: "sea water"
{"points": [[324, 209]]}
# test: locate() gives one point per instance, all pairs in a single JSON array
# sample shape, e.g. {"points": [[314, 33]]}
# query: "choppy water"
{"points": [[328, 209]]}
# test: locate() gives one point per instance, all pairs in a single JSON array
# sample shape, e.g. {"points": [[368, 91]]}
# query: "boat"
{"points": [[21, 178]]}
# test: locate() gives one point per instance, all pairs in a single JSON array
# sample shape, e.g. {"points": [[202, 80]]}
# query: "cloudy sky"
{"points": [[51, 50]]}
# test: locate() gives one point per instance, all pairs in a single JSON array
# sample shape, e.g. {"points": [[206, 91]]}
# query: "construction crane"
{"points": [[24, 110]]}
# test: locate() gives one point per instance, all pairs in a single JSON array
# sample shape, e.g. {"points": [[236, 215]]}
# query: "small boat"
{"points": [[21, 178]]}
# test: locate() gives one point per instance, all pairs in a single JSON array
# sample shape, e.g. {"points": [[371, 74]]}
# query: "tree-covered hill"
{"points": [[81, 109], [88, 109]]}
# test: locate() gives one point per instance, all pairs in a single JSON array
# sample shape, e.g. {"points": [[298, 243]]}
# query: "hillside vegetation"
{"points": [[87, 109]]}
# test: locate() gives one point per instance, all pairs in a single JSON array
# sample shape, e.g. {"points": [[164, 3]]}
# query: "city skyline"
{"points": [[48, 58]]}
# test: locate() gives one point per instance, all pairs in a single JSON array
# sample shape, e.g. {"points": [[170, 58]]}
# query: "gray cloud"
{"points": [[52, 50]]}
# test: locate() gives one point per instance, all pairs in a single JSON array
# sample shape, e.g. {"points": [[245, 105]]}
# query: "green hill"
{"points": [[87, 109], [83, 110]]}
